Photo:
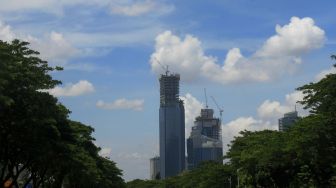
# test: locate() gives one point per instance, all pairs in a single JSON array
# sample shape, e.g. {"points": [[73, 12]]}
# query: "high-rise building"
{"points": [[155, 168], [172, 125], [205, 143], [288, 120]]}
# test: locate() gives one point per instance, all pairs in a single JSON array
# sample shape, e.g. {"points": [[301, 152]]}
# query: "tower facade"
{"points": [[172, 127], [288, 120], [154, 168], [205, 143]]}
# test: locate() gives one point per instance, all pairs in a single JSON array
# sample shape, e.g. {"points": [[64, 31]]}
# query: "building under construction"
{"points": [[172, 125], [205, 141]]}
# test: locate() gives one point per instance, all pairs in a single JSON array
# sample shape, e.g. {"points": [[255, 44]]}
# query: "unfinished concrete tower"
{"points": [[172, 127]]}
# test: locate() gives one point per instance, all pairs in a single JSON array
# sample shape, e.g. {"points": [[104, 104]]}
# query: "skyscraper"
{"points": [[205, 143], [154, 168], [288, 120], [172, 138]]}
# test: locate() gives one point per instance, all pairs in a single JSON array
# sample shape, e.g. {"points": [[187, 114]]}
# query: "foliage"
{"points": [[303, 156], [208, 174], [39, 144]]}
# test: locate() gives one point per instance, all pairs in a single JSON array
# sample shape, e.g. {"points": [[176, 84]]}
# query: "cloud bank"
{"points": [[70, 90], [279, 55], [120, 7], [138, 8], [53, 47], [122, 103]]}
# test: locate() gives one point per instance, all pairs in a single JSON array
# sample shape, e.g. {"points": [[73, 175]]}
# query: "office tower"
{"points": [[288, 120], [205, 143], [155, 168], [172, 138]]}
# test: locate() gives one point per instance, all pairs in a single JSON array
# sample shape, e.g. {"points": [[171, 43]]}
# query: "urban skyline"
{"points": [[109, 51]]}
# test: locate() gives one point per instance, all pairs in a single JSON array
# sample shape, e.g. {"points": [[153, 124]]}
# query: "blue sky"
{"points": [[249, 54]]}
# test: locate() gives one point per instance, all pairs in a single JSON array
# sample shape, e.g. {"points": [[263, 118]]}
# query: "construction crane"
{"points": [[206, 99], [220, 120], [163, 67], [219, 108]]}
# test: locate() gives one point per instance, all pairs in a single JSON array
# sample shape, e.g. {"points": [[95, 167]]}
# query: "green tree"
{"points": [[38, 142], [26, 115], [259, 159]]}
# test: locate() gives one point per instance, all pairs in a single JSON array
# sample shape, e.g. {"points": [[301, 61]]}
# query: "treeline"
{"points": [[39, 144], [303, 156]]}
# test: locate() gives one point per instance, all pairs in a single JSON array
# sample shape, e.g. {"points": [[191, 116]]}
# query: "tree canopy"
{"points": [[39, 144]]}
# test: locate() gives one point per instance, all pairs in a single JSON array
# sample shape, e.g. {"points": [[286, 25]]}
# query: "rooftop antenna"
{"points": [[219, 108], [206, 99], [163, 67]]}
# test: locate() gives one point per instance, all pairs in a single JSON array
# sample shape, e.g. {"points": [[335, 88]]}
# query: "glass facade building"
{"points": [[288, 120], [172, 127], [205, 143]]}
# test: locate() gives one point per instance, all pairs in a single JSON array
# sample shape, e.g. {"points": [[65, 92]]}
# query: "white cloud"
{"points": [[105, 152], [6, 33], [232, 129], [136, 104], [183, 56], [49, 6], [80, 88], [268, 114], [192, 109], [53, 47], [273, 110], [324, 73], [274, 59], [135, 35], [298, 37], [56, 7], [138, 8]]}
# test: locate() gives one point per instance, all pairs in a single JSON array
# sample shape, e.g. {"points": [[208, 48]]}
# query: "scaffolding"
{"points": [[169, 89]]}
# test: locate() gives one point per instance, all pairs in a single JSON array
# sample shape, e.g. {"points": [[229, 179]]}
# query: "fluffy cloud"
{"points": [[279, 55], [192, 109], [139, 8], [183, 56], [80, 88], [298, 37], [273, 110], [53, 47], [105, 152], [232, 129], [324, 73], [268, 114], [136, 104], [6, 33]]}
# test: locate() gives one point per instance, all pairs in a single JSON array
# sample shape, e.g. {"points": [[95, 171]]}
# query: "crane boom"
{"points": [[163, 67], [219, 108], [206, 99]]}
